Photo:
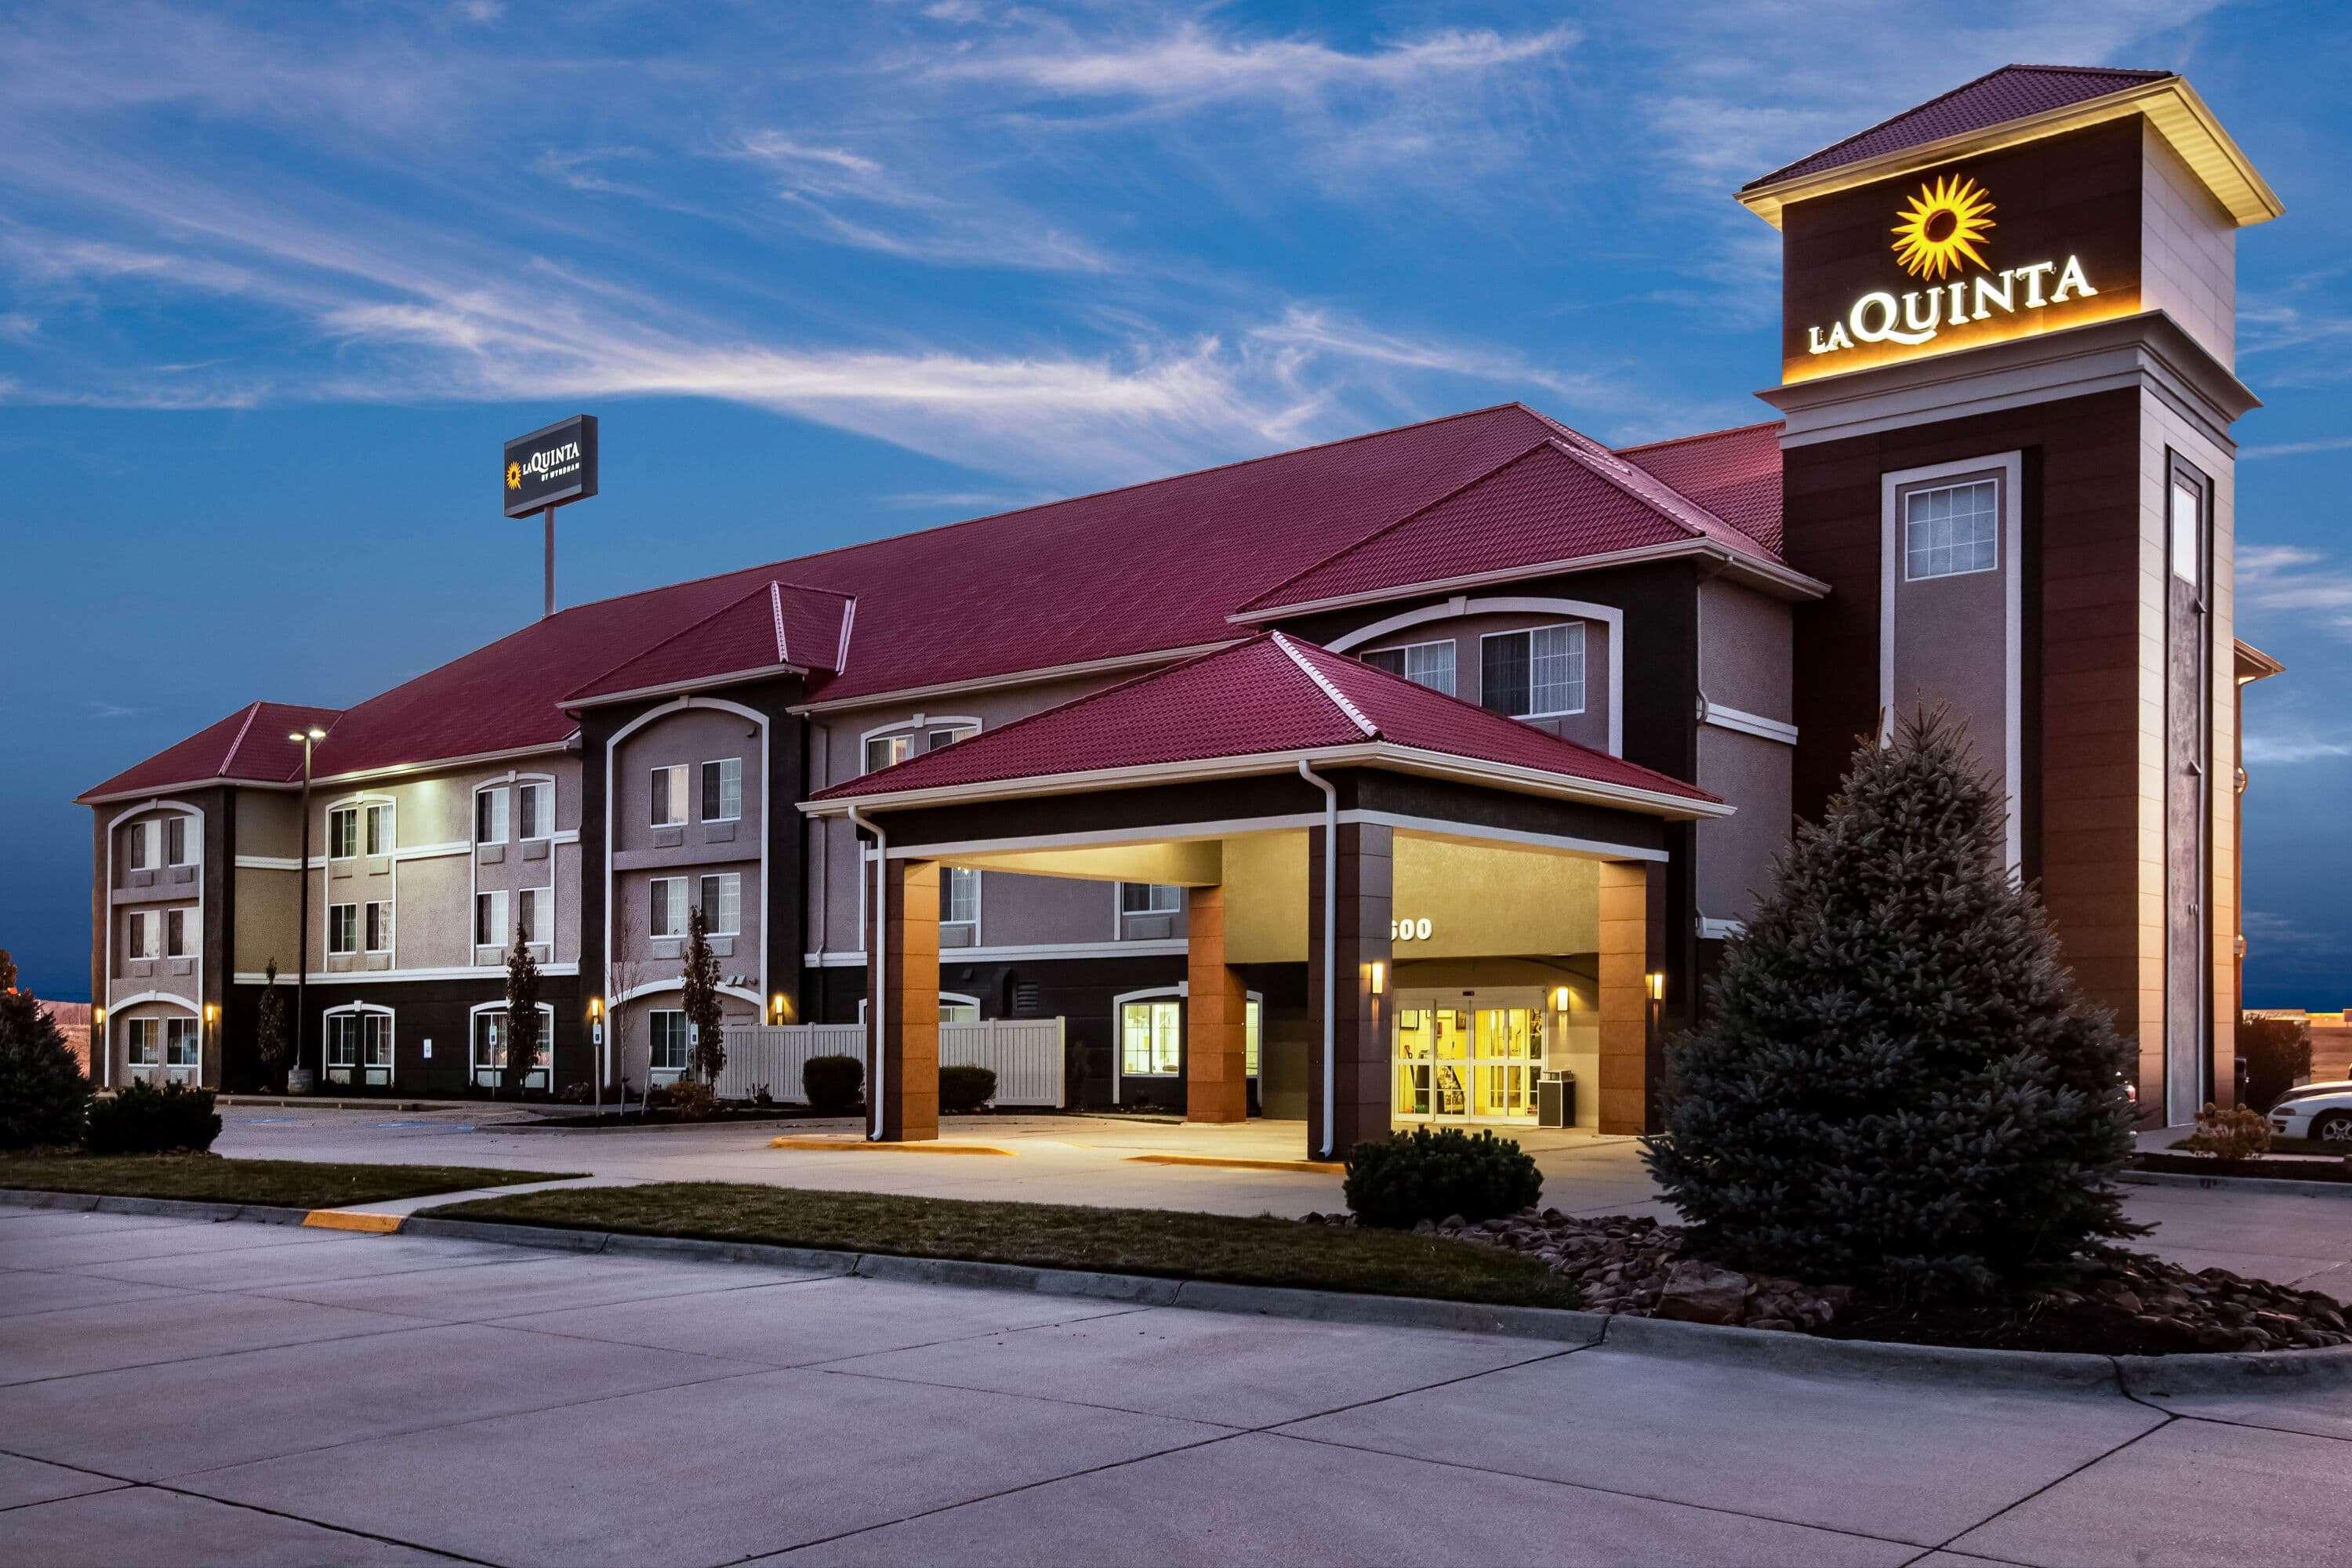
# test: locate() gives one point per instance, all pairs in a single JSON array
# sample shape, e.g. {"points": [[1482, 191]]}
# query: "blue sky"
{"points": [[275, 281]]}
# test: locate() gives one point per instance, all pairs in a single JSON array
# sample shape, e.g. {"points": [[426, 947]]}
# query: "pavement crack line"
{"points": [[404, 1326], [2061, 1480]]}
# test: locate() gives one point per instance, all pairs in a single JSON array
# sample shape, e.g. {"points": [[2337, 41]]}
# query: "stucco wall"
{"points": [[1589, 726], [692, 850]]}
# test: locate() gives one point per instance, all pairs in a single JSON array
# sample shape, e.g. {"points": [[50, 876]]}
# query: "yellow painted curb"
{"points": [[1319, 1167], [843, 1145], [344, 1219]]}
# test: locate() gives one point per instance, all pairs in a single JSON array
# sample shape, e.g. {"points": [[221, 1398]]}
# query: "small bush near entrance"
{"points": [[1898, 1085], [1395, 1183], [834, 1084], [964, 1090], [144, 1119], [693, 1102], [2237, 1133], [43, 1095]]}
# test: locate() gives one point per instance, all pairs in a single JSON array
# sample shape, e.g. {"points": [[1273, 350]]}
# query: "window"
{"points": [[531, 914], [175, 933], [379, 926], [1149, 899], [722, 904], [955, 1008], [668, 906], [1429, 664], [959, 895], [490, 816], [722, 790], [134, 846], [884, 751], [343, 928], [534, 810], [1534, 674], [491, 920], [670, 796], [146, 1039], [2188, 553], [344, 832], [142, 934], [1253, 1024], [489, 1047], [183, 1050], [670, 1041], [175, 841], [1949, 530], [1150, 1036], [379, 828], [359, 1039]]}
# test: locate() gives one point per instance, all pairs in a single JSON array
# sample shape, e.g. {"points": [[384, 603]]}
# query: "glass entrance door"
{"points": [[1464, 1055]]}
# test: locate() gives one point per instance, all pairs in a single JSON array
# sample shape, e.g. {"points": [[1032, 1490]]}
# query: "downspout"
{"points": [[880, 957], [1330, 942]]}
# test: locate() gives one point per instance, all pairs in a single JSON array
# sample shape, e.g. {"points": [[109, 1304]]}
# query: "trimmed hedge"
{"points": [[1395, 1183], [834, 1084], [964, 1090], [145, 1119]]}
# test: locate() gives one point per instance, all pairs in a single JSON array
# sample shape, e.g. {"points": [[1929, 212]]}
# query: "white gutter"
{"points": [[1330, 941], [881, 957]]}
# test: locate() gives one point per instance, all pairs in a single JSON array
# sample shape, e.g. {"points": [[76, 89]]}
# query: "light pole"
{"points": [[305, 738]]}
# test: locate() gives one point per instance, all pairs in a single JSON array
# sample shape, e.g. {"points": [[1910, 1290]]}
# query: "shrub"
{"points": [[2238, 1133], [44, 1096], [145, 1119], [1898, 1081], [693, 1102], [2277, 1054], [964, 1090], [759, 1095], [832, 1085], [1396, 1183]]}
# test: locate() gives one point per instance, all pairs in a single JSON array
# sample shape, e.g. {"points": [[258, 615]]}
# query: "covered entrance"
{"points": [[1314, 810]]}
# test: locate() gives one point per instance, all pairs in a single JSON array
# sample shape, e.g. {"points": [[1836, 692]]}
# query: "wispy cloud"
{"points": [[104, 711], [2294, 448], [2297, 584], [1195, 63]]}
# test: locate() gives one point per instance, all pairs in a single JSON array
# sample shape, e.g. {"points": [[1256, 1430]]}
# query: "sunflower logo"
{"points": [[1942, 227], [514, 475]]}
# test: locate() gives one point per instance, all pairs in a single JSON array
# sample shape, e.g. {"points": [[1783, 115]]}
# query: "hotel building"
{"points": [[1357, 785]]}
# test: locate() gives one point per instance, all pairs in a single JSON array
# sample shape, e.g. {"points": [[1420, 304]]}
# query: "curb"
{"points": [[2252, 1372], [2273, 1184]]}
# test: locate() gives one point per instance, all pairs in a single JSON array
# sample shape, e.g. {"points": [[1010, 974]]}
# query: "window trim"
{"points": [[1452, 645], [1182, 992], [501, 925], [136, 843], [503, 815], [681, 795], [348, 811], [333, 912], [973, 872], [361, 1010], [655, 1071], [544, 789], [703, 893], [390, 926], [184, 950], [680, 904], [180, 820], [720, 763], [546, 1051], [371, 812], [1582, 668], [1154, 911], [1904, 520]]}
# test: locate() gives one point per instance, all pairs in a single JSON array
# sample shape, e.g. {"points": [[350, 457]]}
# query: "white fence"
{"points": [[1025, 1054]]}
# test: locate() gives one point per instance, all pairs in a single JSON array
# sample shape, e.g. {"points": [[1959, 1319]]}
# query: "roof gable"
{"points": [[776, 626], [249, 746]]}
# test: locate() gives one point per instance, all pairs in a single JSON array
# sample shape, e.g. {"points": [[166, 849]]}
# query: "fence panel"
{"points": [[1025, 1054]]}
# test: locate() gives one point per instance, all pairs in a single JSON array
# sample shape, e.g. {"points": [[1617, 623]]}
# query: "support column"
{"points": [[1362, 1082], [1632, 948], [1216, 1015], [902, 1009]]}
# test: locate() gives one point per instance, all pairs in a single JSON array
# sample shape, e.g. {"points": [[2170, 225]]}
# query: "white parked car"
{"points": [[2321, 1111]]}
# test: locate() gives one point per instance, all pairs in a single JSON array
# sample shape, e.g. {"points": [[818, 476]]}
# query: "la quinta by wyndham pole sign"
{"points": [[550, 466]]}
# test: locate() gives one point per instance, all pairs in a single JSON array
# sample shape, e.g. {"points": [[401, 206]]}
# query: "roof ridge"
{"points": [[1323, 684], [1696, 436], [1924, 104], [776, 611], [695, 625], [252, 711]]}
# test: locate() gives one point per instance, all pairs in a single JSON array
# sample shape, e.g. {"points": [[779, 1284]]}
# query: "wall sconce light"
{"points": [[211, 1013], [776, 1008], [1560, 999], [595, 1008], [1655, 983], [1376, 974], [98, 1017]]}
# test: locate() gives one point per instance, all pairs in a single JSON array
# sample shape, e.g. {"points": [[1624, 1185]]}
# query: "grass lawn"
{"points": [[284, 1183], [1121, 1241]]}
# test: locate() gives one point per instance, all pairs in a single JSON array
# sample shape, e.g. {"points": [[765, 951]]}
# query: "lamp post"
{"points": [[305, 738]]}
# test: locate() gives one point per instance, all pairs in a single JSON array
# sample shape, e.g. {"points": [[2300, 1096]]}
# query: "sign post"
{"points": [[547, 468]]}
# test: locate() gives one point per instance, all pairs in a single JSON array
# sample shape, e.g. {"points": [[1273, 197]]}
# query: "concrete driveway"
{"points": [[175, 1392], [1095, 1159]]}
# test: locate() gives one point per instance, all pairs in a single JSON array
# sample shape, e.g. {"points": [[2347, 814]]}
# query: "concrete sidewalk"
{"points": [[175, 1392]]}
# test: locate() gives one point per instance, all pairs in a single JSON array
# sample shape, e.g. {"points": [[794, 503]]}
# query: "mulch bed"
{"points": [[2277, 1170], [2124, 1303]]}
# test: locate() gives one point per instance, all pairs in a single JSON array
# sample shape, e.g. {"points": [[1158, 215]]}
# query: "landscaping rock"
{"points": [[1699, 1293]]}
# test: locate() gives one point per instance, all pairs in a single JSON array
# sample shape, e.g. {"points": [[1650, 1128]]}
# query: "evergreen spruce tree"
{"points": [[43, 1098], [272, 1041], [699, 1000], [1897, 1083], [524, 1020]]}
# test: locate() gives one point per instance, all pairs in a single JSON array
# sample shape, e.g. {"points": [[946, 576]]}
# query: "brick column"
{"points": [[1216, 1016], [1362, 1048], [1633, 947], [902, 1015]]}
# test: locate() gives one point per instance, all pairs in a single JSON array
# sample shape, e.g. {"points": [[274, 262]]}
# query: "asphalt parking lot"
{"points": [[178, 1391]]}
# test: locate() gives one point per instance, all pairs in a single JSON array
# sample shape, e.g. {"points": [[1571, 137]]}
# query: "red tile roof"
{"points": [[249, 746], [2012, 92], [1270, 695], [1734, 474], [1560, 499], [1152, 568], [775, 626]]}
